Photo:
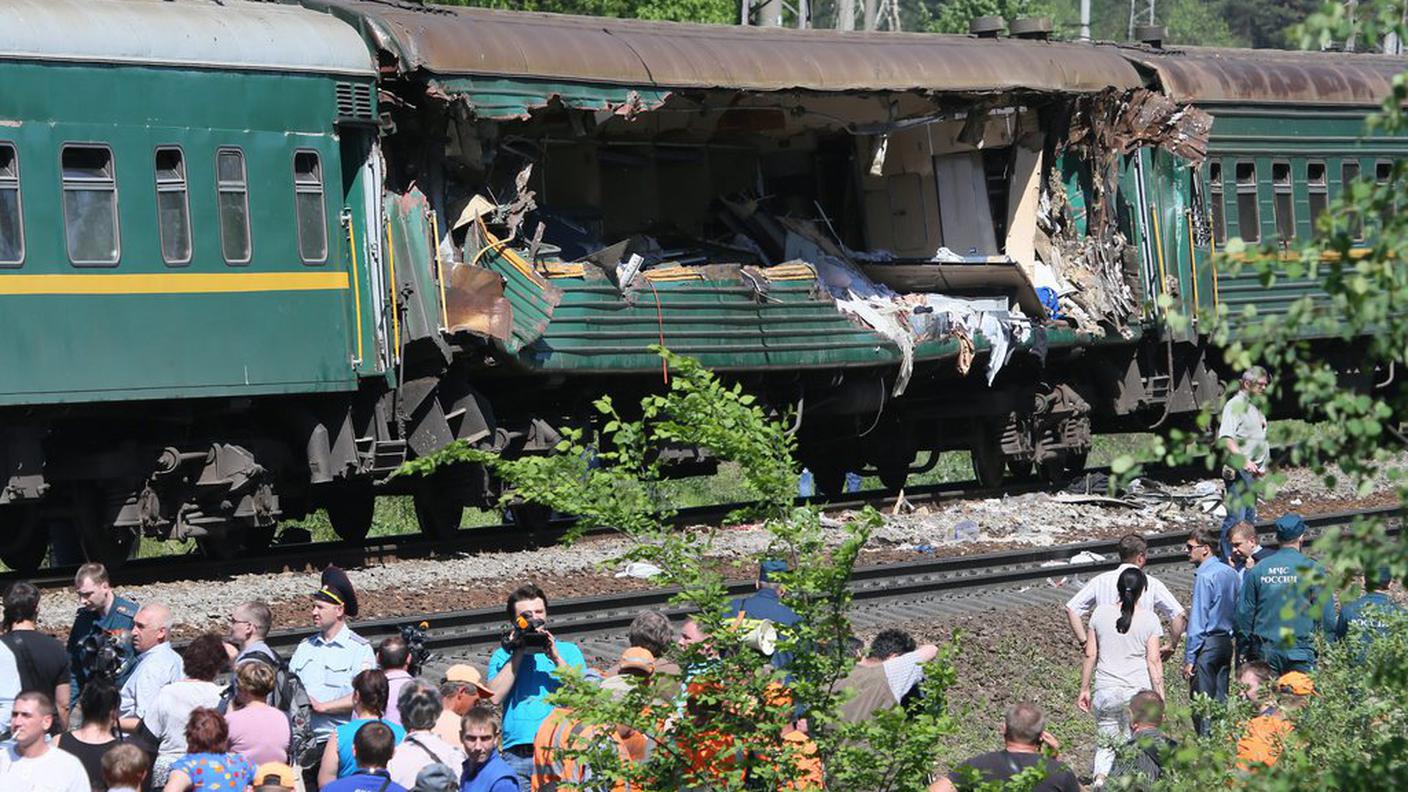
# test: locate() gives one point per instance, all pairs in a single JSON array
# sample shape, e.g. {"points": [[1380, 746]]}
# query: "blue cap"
{"points": [[1290, 526], [772, 566]]}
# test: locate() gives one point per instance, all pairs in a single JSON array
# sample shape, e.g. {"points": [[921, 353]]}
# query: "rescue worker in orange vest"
{"points": [[562, 733], [715, 753], [1266, 734]]}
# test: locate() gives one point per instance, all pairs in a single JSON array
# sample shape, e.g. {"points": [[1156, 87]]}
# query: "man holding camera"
{"points": [[101, 611], [523, 671]]}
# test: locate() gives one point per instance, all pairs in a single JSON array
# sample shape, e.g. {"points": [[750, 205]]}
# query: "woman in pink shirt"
{"points": [[257, 731]]}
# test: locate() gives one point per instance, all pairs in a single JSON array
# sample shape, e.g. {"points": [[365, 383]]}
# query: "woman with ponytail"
{"points": [[1121, 659]]}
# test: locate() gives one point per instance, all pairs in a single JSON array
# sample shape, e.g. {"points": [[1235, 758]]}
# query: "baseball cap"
{"points": [[1290, 526], [468, 674], [771, 567], [1296, 683], [637, 660], [274, 774]]}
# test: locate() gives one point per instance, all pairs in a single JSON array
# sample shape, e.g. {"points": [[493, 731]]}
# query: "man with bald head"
{"points": [[158, 665]]}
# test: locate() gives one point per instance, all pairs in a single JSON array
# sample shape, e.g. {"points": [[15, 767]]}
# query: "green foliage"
{"points": [[1202, 23], [730, 703]]}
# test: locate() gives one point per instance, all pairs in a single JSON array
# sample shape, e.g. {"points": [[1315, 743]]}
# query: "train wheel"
{"points": [[350, 510], [1022, 471], [1075, 461], [894, 476], [437, 511], [258, 538], [219, 547], [989, 463], [25, 542], [99, 539], [830, 479]]}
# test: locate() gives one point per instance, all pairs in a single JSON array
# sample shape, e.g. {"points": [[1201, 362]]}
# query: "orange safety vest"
{"points": [[552, 765], [1264, 740]]}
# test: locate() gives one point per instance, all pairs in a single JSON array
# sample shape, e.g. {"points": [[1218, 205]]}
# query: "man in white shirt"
{"points": [[1101, 590], [894, 665], [28, 761], [158, 665]]}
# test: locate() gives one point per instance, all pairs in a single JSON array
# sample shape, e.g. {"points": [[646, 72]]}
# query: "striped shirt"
{"points": [[1103, 590]]}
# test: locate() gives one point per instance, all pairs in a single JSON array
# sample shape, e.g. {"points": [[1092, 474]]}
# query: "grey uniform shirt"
{"points": [[1245, 424], [326, 668]]}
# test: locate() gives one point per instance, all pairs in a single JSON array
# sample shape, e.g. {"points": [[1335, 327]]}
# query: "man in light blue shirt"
{"points": [[158, 665], [523, 671], [326, 662], [9, 686], [1208, 657]]}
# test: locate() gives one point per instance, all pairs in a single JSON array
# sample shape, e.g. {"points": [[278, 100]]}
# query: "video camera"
{"points": [[103, 656], [527, 634], [414, 635]]}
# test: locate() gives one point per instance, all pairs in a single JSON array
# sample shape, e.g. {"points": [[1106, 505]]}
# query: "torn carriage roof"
{"points": [[1208, 75], [596, 63]]}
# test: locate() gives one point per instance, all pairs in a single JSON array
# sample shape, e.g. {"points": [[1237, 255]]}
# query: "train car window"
{"points": [[1284, 205], [1383, 171], [1248, 215], [1317, 187], [173, 208], [1349, 172], [1219, 210], [232, 185], [90, 205], [11, 219], [312, 216]]}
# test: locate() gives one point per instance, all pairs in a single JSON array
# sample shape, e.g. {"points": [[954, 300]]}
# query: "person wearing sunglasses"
{"points": [[1207, 660]]}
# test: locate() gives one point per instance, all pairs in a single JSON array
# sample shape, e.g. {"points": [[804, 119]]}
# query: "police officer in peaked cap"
{"points": [[326, 661]]}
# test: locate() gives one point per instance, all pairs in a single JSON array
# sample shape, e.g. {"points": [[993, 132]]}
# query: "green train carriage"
{"points": [[191, 349]]}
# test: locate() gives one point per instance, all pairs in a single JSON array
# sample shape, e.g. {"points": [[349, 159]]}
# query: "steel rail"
{"points": [[458, 631]]}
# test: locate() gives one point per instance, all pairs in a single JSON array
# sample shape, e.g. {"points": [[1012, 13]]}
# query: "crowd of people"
{"points": [[119, 708]]}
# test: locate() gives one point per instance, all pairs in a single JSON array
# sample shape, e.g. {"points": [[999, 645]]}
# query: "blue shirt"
{"points": [[525, 707], [1367, 614], [347, 734], [156, 668], [493, 776], [326, 669], [1214, 607], [765, 604], [365, 781]]}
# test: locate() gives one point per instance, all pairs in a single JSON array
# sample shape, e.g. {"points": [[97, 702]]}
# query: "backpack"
{"points": [[290, 698]]}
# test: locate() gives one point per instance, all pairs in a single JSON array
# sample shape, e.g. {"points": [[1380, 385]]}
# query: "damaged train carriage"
{"points": [[916, 242]]}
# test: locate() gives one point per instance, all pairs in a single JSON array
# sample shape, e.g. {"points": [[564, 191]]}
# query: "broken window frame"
{"points": [[169, 186], [1349, 172], [10, 185], [1247, 187], [1317, 191], [1283, 201], [78, 220], [1216, 202]]}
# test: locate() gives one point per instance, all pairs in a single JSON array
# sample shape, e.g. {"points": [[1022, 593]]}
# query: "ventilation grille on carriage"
{"points": [[354, 102]]}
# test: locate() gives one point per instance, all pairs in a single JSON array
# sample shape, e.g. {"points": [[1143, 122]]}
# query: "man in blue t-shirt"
{"points": [[373, 746], [523, 671]]}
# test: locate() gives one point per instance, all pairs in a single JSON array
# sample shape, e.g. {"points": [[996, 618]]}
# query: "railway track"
{"points": [[475, 632], [505, 537]]}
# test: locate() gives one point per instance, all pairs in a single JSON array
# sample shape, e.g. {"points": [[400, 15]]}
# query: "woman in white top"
{"points": [[1121, 659], [203, 660]]}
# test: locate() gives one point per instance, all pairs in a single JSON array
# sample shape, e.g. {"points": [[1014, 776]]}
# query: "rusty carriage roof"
{"points": [[451, 42], [1206, 75]]}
